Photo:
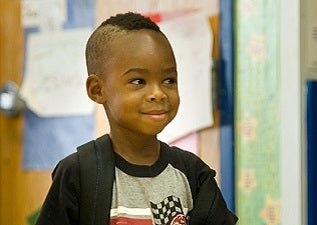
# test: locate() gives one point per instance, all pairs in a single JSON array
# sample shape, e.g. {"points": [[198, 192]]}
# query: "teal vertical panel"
{"points": [[257, 123]]}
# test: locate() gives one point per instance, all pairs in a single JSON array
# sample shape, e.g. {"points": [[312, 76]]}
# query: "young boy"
{"points": [[128, 176]]}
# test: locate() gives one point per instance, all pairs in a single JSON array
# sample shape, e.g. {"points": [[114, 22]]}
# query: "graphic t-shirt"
{"points": [[145, 195]]}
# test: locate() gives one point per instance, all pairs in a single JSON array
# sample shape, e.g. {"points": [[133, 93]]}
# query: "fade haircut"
{"points": [[97, 47]]}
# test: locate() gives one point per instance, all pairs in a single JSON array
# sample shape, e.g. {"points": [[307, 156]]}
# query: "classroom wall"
{"points": [[22, 190], [17, 208]]}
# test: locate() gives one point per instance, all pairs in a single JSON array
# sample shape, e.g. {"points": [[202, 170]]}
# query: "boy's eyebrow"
{"points": [[171, 69], [139, 70]]}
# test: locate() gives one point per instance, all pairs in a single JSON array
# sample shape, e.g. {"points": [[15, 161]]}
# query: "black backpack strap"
{"points": [[88, 175], [96, 161]]}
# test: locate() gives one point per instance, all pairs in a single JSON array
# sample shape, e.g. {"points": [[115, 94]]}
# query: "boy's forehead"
{"points": [[133, 47], [139, 37], [140, 41]]}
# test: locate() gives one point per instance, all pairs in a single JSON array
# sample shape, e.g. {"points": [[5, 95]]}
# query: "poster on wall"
{"points": [[194, 63], [59, 116]]}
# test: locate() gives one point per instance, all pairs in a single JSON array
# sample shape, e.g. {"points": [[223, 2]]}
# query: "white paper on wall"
{"points": [[55, 73], [45, 15], [191, 39]]}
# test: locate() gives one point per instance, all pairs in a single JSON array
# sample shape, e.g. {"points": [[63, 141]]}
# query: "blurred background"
{"points": [[248, 84]]}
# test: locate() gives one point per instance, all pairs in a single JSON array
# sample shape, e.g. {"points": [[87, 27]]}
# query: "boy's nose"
{"points": [[156, 94]]}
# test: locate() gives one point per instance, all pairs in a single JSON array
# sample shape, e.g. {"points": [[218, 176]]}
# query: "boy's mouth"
{"points": [[156, 115], [156, 112]]}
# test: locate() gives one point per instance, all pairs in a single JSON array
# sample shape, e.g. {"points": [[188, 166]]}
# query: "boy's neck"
{"points": [[137, 150]]}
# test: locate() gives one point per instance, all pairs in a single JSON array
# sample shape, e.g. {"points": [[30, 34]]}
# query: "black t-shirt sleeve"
{"points": [[61, 206], [210, 207]]}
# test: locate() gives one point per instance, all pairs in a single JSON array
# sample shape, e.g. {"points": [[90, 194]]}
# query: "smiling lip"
{"points": [[157, 115]]}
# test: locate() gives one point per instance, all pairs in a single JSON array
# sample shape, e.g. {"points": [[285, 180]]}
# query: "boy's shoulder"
{"points": [[186, 161], [100, 148], [85, 156], [180, 153]]}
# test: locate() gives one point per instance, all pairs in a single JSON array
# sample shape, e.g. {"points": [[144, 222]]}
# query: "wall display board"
{"points": [[59, 115]]}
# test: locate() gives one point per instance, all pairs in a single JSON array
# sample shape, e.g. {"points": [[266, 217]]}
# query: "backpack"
{"points": [[97, 165], [96, 161]]}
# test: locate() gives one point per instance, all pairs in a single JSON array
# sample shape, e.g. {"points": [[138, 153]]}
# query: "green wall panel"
{"points": [[257, 97]]}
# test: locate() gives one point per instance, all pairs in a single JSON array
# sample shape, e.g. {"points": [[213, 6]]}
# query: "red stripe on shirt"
{"points": [[130, 221]]}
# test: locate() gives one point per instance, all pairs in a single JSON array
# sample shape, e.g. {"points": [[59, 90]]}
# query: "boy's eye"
{"points": [[137, 81], [170, 81]]}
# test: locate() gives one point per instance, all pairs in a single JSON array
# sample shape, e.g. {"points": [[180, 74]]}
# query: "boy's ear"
{"points": [[95, 88]]}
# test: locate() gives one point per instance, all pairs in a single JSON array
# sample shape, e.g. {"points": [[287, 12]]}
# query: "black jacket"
{"points": [[81, 190]]}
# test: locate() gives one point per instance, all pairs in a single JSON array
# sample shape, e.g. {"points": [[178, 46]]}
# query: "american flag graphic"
{"points": [[168, 212]]}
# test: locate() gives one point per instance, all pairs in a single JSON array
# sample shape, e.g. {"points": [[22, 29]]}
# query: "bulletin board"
{"points": [[59, 117]]}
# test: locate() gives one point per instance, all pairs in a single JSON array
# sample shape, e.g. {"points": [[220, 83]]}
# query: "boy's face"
{"points": [[140, 83]]}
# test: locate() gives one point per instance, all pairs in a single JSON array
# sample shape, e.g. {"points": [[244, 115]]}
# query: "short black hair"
{"points": [[98, 43], [131, 21]]}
